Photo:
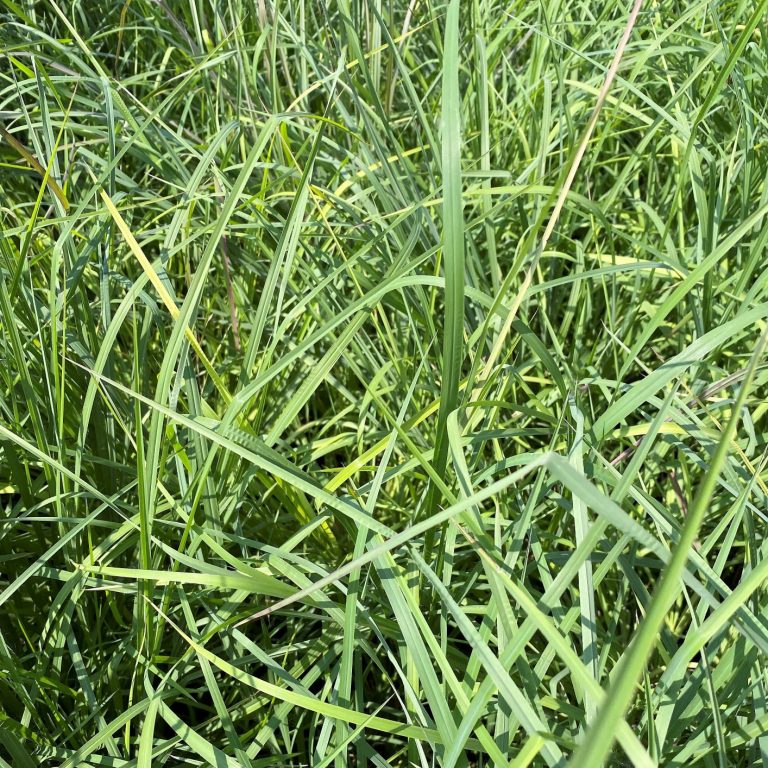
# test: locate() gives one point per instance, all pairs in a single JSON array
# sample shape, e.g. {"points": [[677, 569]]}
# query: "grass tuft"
{"points": [[383, 383]]}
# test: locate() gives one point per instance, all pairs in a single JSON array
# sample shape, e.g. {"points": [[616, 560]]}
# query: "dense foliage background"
{"points": [[365, 367]]}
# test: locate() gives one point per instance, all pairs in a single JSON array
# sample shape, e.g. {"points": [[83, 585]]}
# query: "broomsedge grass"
{"points": [[383, 383]]}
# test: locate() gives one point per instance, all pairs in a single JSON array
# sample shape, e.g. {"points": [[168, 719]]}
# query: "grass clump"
{"points": [[382, 383]]}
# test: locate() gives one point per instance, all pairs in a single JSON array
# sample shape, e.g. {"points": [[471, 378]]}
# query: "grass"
{"points": [[383, 383]]}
